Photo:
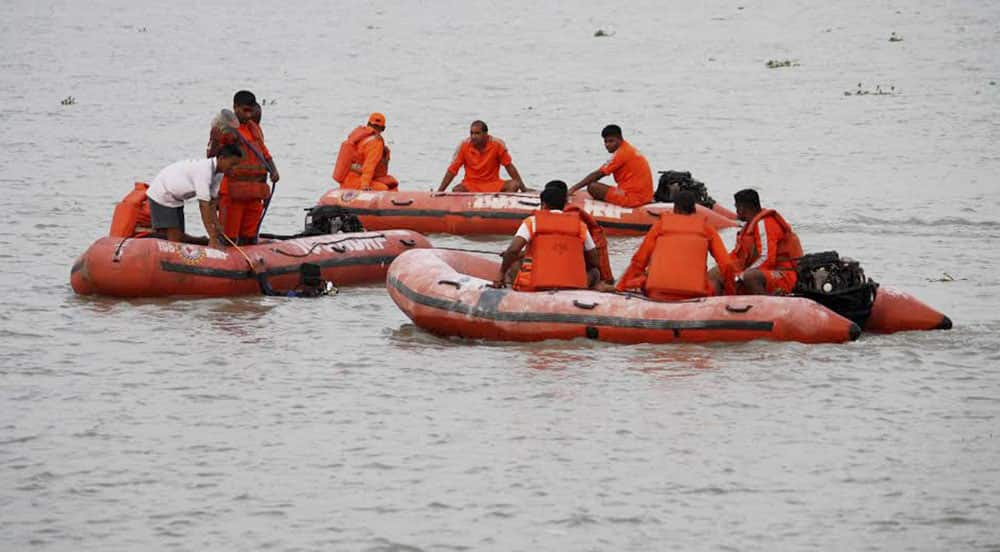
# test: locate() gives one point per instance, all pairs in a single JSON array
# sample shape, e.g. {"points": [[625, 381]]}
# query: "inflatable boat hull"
{"points": [[499, 213], [896, 311], [448, 293], [150, 267]]}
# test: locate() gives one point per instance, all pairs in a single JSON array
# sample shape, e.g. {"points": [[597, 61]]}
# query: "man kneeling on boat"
{"points": [[561, 252], [183, 180], [670, 263], [766, 249], [363, 160]]}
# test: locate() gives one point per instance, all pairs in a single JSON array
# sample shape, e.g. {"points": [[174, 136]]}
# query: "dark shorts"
{"points": [[166, 217]]}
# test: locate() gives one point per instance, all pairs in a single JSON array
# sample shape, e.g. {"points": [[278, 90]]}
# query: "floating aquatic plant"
{"points": [[945, 277], [68, 100], [602, 32], [878, 91], [775, 63], [893, 37]]}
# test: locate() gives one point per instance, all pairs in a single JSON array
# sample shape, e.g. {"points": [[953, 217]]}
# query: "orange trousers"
{"points": [[240, 217], [379, 183]]}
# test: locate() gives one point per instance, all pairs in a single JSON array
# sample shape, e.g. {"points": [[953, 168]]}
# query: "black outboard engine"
{"points": [[330, 219], [837, 283], [672, 182]]}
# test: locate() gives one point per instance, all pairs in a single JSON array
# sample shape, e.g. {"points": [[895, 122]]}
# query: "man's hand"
{"points": [[218, 235], [274, 175]]}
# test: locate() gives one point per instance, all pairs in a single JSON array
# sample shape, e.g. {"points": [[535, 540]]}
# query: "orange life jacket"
{"points": [[677, 267], [600, 241], [351, 158], [555, 254], [247, 180], [746, 253], [131, 218]]}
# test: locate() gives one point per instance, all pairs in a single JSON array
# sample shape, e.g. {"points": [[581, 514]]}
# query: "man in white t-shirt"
{"points": [[561, 251], [183, 180]]}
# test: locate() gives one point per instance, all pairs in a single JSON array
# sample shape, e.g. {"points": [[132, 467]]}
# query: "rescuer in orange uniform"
{"points": [[631, 171], [607, 277], [244, 189], [766, 249], [670, 263], [482, 155], [363, 160], [561, 252]]}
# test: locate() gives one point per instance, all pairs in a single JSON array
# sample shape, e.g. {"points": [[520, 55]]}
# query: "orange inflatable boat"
{"points": [[448, 293], [488, 213], [151, 267]]}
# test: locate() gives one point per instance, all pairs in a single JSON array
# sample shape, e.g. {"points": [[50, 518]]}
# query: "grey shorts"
{"points": [[166, 217]]}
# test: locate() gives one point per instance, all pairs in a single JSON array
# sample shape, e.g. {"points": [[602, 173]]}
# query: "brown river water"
{"points": [[335, 424]]}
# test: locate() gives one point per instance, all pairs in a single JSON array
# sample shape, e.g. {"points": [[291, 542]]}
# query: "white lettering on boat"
{"points": [[190, 252], [604, 210], [363, 244], [338, 244], [505, 202], [342, 196], [303, 245]]}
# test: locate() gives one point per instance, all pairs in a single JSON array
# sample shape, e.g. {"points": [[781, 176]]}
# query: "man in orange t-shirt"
{"points": [[630, 169], [482, 155]]}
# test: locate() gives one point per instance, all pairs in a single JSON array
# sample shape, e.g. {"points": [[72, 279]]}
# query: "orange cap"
{"points": [[376, 119]]}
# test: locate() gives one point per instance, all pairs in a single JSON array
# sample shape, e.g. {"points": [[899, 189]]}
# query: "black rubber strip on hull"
{"points": [[182, 268], [492, 313]]}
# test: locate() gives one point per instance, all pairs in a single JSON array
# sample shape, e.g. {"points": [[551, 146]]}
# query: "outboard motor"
{"points": [[672, 182], [838, 283], [330, 219]]}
